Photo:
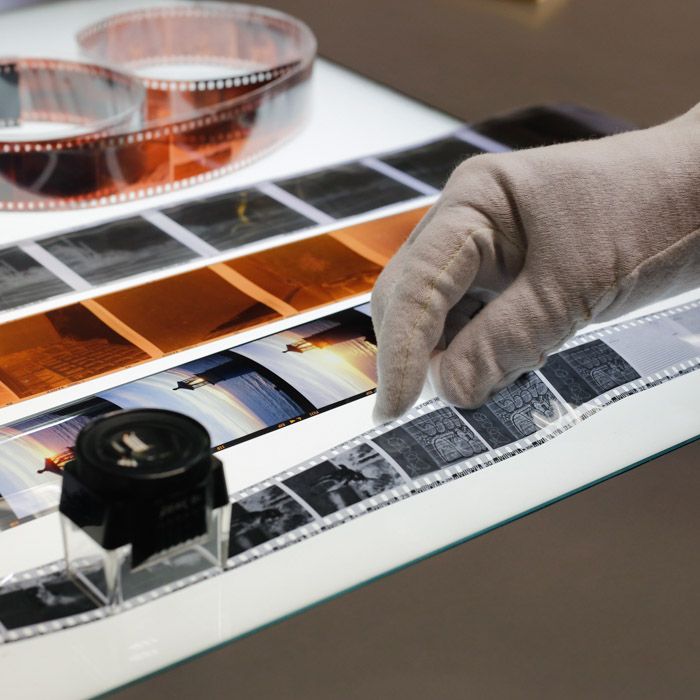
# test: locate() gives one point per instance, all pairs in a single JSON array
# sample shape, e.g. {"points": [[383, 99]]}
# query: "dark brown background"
{"points": [[634, 58], [596, 596]]}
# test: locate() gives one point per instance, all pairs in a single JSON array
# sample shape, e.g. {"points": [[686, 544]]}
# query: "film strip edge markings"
{"points": [[399, 176]]}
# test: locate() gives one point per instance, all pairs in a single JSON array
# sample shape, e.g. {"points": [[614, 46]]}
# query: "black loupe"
{"points": [[144, 478]]}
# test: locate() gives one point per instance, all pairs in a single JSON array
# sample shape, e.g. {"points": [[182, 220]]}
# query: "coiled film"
{"points": [[136, 137]]}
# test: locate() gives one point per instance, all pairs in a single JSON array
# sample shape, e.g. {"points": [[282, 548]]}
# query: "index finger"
{"points": [[433, 274]]}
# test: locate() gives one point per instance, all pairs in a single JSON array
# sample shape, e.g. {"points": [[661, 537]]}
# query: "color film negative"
{"points": [[62, 263], [237, 394], [86, 339], [430, 447], [131, 137]]}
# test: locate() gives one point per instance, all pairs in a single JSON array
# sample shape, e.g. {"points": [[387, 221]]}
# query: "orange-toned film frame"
{"points": [[374, 241]]}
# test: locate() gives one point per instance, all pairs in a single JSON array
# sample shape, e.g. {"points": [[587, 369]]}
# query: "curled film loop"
{"points": [[133, 136]]}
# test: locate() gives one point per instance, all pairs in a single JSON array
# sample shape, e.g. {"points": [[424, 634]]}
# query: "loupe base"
{"points": [[107, 575]]}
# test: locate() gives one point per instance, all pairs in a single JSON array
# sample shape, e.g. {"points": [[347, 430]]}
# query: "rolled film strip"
{"points": [[136, 137], [430, 447], [58, 264]]}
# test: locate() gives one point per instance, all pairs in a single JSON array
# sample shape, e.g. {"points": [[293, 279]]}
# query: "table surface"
{"points": [[473, 58], [594, 596], [591, 597]]}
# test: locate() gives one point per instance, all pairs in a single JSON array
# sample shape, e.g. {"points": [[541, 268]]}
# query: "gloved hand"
{"points": [[551, 238]]}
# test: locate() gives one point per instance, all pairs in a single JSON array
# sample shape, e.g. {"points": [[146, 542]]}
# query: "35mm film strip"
{"points": [[429, 447], [76, 260], [237, 393]]}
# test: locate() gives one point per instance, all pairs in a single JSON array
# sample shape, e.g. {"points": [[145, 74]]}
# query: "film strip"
{"points": [[431, 446], [59, 264], [136, 137], [92, 337], [238, 393]]}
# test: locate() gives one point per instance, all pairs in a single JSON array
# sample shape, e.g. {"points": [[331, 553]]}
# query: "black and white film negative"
{"points": [[56, 265]]}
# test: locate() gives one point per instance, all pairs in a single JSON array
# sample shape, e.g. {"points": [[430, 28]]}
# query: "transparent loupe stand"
{"points": [[144, 507]]}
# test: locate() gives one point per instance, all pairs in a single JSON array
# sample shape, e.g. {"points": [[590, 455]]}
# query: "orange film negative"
{"points": [[130, 136], [67, 345]]}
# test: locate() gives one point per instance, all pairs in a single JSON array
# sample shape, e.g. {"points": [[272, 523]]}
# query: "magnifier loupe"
{"points": [[143, 504]]}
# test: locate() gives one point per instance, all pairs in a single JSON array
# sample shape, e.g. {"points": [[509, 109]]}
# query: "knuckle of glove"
{"points": [[476, 174]]}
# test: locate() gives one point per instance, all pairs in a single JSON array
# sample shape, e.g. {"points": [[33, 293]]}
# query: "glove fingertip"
{"points": [[379, 416], [390, 405], [384, 411]]}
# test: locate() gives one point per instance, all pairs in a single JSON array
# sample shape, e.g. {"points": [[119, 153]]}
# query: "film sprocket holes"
{"points": [[143, 136], [142, 500]]}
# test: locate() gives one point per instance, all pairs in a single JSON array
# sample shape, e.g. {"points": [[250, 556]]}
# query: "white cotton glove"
{"points": [[552, 238]]}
